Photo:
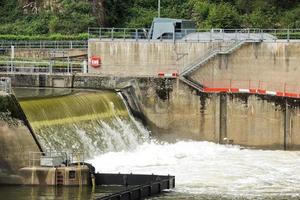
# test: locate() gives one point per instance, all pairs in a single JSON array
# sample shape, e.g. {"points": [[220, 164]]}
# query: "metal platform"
{"points": [[138, 186]]}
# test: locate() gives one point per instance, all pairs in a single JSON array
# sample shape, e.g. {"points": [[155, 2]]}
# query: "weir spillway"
{"points": [[83, 121]]}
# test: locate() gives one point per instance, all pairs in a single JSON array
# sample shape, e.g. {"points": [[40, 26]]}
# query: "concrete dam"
{"points": [[244, 93], [63, 121], [215, 107]]}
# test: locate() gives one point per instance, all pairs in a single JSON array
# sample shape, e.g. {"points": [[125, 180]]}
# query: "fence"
{"points": [[196, 34], [5, 85], [54, 158], [250, 86], [29, 67], [4, 44]]}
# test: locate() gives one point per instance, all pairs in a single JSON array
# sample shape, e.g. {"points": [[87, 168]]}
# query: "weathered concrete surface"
{"points": [[16, 142], [43, 176], [255, 122], [292, 125], [47, 53], [148, 58], [271, 63], [173, 110]]}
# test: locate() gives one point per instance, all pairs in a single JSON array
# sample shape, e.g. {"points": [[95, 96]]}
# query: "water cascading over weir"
{"points": [[91, 122]]}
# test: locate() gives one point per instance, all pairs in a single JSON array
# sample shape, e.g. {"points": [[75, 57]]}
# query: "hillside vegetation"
{"points": [[69, 17]]}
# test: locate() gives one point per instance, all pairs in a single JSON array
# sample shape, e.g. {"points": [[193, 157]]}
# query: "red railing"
{"points": [[250, 86]]}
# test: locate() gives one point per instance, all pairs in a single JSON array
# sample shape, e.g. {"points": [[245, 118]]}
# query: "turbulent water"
{"points": [[209, 171], [89, 122], [100, 124]]}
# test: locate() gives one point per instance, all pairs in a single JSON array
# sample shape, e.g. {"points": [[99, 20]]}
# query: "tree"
{"points": [[224, 16]]}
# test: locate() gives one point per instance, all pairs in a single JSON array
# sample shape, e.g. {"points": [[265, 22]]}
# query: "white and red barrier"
{"points": [[168, 75], [251, 91]]}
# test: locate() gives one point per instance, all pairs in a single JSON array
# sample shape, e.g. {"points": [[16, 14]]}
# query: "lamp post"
{"points": [[158, 7]]}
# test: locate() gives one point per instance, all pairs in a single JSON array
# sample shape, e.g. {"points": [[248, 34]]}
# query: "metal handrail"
{"points": [[215, 34], [34, 158], [283, 87], [45, 44], [37, 67], [220, 49]]}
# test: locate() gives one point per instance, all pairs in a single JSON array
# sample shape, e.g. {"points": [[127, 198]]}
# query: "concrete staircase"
{"points": [[206, 58]]}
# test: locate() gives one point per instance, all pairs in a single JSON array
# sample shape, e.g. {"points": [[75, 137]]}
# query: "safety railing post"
{"points": [[100, 32], [235, 35], [223, 34], [185, 34], [136, 35], [248, 33], [288, 35], [210, 35], [124, 36], [112, 34]]}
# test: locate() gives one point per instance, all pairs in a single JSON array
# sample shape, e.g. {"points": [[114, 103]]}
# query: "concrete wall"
{"points": [[148, 58], [16, 141], [271, 63], [46, 53], [172, 110], [255, 122]]}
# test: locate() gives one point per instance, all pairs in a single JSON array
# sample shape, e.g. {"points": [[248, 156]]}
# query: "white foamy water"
{"points": [[203, 168]]}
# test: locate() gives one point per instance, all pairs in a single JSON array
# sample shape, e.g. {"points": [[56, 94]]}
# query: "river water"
{"points": [[205, 170]]}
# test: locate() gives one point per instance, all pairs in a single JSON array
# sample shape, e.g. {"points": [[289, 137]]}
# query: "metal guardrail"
{"points": [[5, 44], [199, 35], [118, 33], [5, 85], [282, 87], [211, 54], [29, 67], [58, 158]]}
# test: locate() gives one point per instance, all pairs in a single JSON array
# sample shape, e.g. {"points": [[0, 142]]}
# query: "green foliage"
{"points": [[72, 17], [223, 15], [291, 19]]}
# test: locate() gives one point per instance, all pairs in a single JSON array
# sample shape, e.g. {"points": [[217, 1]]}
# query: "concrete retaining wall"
{"points": [[271, 63], [173, 110], [16, 141], [249, 120], [123, 58]]}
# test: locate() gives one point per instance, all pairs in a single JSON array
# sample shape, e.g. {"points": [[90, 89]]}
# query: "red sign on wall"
{"points": [[95, 61]]}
